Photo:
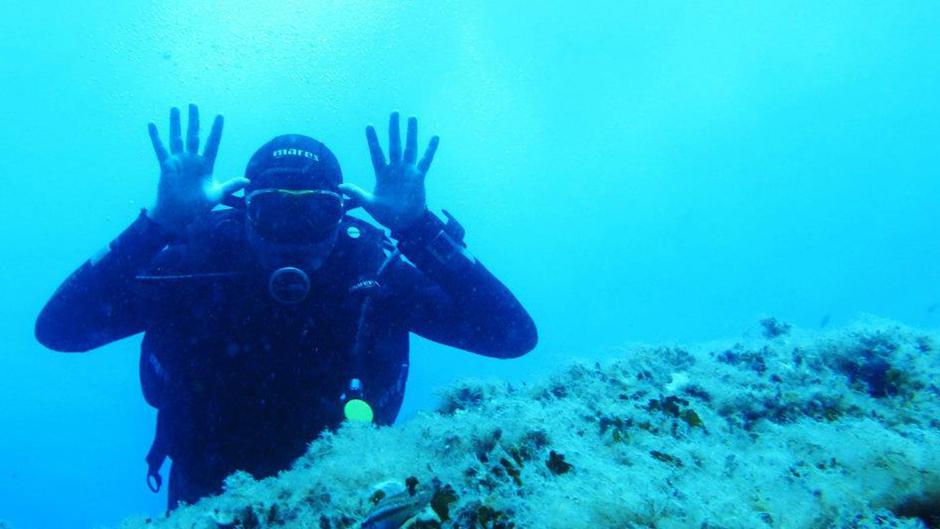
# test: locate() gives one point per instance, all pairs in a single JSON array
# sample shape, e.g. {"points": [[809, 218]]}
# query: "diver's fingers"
{"points": [[428, 157], [176, 139], [233, 185], [375, 150], [394, 140], [411, 141], [192, 130], [219, 190], [351, 202], [364, 197], [212, 144], [158, 147]]}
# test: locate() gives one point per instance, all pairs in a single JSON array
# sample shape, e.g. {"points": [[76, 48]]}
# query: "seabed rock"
{"points": [[788, 430]]}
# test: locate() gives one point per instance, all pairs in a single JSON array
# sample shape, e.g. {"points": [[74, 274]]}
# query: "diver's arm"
{"points": [[455, 300], [99, 303]]}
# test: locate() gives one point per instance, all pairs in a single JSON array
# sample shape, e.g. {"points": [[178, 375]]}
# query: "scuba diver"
{"points": [[280, 316]]}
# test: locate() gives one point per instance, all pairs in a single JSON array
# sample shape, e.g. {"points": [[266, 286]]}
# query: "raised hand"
{"points": [[187, 188], [399, 197]]}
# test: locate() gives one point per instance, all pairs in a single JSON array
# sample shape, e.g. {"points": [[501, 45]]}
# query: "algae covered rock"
{"points": [[789, 430]]}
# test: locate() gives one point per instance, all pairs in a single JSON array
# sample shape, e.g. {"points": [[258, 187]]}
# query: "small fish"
{"points": [[393, 511]]}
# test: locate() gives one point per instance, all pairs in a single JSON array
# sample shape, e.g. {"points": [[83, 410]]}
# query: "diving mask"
{"points": [[294, 216]]}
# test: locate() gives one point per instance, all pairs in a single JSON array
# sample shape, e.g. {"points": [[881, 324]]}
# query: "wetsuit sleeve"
{"points": [[99, 302], [451, 298]]}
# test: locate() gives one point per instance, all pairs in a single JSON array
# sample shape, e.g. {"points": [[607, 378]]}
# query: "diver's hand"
{"points": [[186, 188], [399, 197]]}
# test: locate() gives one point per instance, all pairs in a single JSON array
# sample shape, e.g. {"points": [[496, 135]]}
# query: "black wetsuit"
{"points": [[243, 382]]}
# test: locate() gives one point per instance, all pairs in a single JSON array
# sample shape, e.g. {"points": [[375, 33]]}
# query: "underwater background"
{"points": [[634, 172]]}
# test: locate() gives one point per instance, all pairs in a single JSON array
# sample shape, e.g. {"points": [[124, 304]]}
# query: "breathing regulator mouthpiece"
{"points": [[289, 285]]}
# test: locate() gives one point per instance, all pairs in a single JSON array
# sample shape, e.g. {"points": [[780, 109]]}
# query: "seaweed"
{"points": [[666, 458], [490, 518], [247, 519], [874, 374], [617, 425], [485, 444], [692, 419], [697, 392], [528, 448], [441, 501], [272, 515], [676, 407], [377, 496], [411, 483], [923, 507], [511, 470], [669, 405], [772, 328], [463, 397], [753, 360], [557, 464]]}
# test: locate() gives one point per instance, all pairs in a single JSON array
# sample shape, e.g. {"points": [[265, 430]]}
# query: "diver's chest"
{"points": [[245, 326]]}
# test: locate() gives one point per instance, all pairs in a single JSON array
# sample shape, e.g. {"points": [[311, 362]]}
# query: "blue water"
{"points": [[651, 171]]}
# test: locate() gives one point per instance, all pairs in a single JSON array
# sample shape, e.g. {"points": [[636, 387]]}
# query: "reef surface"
{"points": [[783, 429]]}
